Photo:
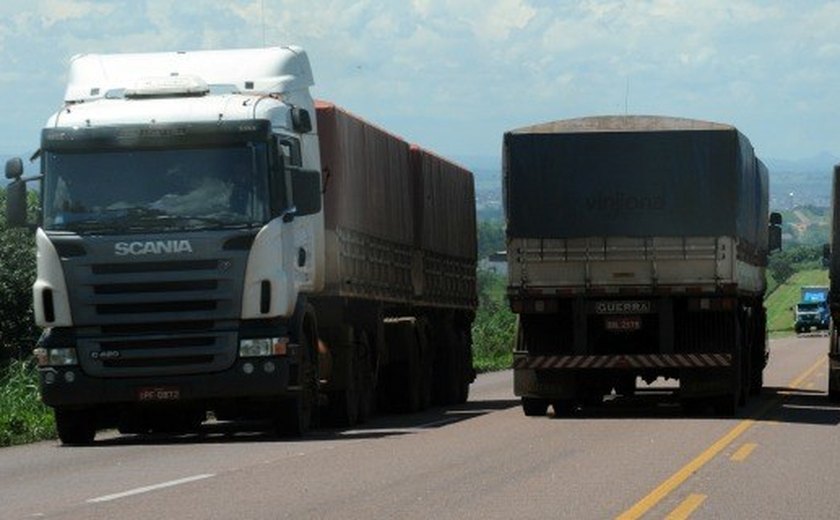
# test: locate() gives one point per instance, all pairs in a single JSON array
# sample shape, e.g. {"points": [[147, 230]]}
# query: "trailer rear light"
{"points": [[262, 347], [56, 357]]}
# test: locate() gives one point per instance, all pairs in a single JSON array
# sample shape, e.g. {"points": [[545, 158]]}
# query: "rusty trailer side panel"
{"points": [[400, 221], [445, 228]]}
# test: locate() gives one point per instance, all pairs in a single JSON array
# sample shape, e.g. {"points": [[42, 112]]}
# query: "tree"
{"points": [[17, 272]]}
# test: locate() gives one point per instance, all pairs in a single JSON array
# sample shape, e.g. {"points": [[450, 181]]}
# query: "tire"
{"points": [[453, 366], [626, 386], [756, 380], [343, 405], [75, 427], [533, 407], [294, 416], [833, 390], [562, 407], [726, 405]]}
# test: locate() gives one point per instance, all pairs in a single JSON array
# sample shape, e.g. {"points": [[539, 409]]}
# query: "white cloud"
{"points": [[457, 73], [56, 11]]}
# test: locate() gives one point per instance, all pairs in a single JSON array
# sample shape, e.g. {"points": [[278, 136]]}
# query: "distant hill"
{"points": [[801, 182]]}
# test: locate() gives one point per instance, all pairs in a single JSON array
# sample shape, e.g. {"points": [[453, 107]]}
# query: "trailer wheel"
{"points": [[726, 405], [562, 407], [75, 427], [343, 405], [365, 378], [833, 391], [533, 407]]}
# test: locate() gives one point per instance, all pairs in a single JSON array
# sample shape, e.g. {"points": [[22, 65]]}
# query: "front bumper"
{"points": [[267, 377]]}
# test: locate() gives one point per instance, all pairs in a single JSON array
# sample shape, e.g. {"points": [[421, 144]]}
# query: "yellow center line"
{"points": [[674, 481], [687, 507], [743, 452]]}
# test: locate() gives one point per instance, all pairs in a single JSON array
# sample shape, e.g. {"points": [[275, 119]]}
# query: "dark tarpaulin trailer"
{"points": [[635, 176]]}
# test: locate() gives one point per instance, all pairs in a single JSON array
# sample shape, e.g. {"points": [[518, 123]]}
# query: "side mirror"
{"points": [[16, 203], [14, 168], [306, 192], [301, 120], [774, 239]]}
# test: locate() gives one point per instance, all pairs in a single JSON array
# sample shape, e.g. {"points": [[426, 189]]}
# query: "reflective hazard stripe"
{"points": [[623, 361]]}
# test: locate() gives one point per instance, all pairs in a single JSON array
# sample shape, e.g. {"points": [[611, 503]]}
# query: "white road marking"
{"points": [[146, 489]]}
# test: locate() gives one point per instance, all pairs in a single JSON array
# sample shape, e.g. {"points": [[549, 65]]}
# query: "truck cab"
{"points": [[180, 227], [812, 312]]}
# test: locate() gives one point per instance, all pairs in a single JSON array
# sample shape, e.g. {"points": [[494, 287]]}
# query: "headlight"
{"points": [[261, 347], [53, 357]]}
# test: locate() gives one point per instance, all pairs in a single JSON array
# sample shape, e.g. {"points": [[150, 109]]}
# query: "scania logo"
{"points": [[152, 247], [625, 307]]}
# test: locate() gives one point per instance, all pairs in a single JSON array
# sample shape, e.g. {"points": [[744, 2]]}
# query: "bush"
{"points": [[17, 272], [494, 327], [23, 418]]}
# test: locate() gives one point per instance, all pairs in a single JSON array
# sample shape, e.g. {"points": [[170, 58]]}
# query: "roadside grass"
{"points": [[781, 301], [23, 418]]}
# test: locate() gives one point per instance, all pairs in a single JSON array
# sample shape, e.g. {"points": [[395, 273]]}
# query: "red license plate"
{"points": [[159, 393], [623, 323]]}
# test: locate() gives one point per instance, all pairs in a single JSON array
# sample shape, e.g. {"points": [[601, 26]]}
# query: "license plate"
{"points": [[623, 323], [159, 393]]}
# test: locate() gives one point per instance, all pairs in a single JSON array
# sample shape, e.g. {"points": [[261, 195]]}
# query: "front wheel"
{"points": [[75, 427], [295, 413]]}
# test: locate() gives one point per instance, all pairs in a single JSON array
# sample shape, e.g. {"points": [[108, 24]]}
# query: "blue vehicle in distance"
{"points": [[812, 312]]}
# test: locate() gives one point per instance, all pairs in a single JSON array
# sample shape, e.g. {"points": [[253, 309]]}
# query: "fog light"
{"points": [[49, 378], [269, 367], [248, 368], [69, 376]]}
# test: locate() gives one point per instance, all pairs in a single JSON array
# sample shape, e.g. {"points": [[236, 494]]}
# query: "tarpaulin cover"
{"points": [[635, 177]]}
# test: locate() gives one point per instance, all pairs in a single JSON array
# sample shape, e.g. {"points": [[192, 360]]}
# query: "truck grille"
{"points": [[170, 316]]}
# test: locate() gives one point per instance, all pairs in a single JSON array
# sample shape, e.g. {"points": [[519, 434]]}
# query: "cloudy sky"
{"points": [[453, 75]]}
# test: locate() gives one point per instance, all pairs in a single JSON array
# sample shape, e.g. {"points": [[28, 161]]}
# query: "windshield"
{"points": [[120, 190]]}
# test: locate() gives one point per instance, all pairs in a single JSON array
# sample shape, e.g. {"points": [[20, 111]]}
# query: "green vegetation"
{"points": [[784, 264], [494, 326], [491, 237], [17, 272], [780, 303], [23, 418], [808, 225]]}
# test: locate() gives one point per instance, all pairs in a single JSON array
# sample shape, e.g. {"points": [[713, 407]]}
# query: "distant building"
{"points": [[496, 263]]}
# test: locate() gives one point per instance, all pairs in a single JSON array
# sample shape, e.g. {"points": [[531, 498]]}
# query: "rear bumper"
{"points": [[564, 376], [268, 377]]}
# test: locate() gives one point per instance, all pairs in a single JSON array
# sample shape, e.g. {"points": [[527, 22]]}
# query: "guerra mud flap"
{"points": [[549, 384]]}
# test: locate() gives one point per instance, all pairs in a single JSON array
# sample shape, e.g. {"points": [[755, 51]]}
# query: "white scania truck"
{"points": [[212, 239]]}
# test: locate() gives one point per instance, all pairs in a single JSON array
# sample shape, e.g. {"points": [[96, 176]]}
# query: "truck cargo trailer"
{"points": [[832, 256], [213, 240], [636, 248]]}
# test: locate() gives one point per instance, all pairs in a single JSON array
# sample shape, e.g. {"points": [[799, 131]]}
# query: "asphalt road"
{"points": [[780, 458]]}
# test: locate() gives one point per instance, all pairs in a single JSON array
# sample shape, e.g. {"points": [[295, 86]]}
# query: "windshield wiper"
{"points": [[213, 222]]}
